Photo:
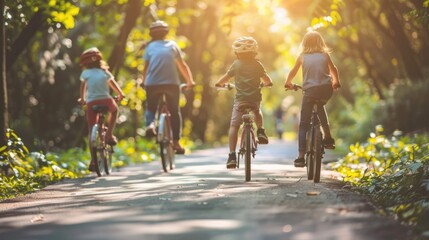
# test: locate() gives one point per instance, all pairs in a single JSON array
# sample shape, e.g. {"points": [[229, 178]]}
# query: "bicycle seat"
{"points": [[100, 108], [245, 107]]}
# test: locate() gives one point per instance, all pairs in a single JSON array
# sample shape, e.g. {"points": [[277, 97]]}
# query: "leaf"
{"points": [[415, 166], [313, 193], [425, 184]]}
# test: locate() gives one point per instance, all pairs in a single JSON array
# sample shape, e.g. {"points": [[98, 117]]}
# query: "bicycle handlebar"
{"points": [[83, 102], [184, 86], [295, 87], [230, 86]]}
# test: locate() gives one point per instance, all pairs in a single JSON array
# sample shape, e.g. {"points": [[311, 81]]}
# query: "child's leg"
{"points": [[111, 124], [324, 122], [259, 119], [152, 97], [304, 125], [233, 138]]}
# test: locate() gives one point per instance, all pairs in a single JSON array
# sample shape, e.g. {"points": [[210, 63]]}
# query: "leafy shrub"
{"points": [[394, 172], [22, 171], [406, 107]]}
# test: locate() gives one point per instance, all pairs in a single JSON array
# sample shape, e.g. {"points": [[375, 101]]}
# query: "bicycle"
{"points": [[164, 133], [314, 139], [101, 152], [248, 142]]}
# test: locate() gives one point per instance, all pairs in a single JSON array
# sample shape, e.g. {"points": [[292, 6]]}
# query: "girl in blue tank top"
{"points": [[320, 78]]}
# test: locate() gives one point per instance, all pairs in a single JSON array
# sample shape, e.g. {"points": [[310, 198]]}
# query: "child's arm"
{"points": [[114, 85], [267, 80], [293, 72], [81, 100], [186, 72], [333, 70], [146, 65], [224, 79]]}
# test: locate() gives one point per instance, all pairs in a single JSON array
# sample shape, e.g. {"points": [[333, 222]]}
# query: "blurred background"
{"points": [[381, 48]]}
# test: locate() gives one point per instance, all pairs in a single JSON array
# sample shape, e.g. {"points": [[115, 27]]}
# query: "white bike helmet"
{"points": [[158, 25], [245, 44]]}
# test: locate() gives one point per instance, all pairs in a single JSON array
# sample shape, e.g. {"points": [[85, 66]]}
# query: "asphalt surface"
{"points": [[200, 199]]}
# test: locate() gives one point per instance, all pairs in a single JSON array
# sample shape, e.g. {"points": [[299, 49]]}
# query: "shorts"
{"points": [[91, 116], [237, 113]]}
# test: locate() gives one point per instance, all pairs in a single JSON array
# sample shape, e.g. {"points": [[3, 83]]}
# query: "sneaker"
{"points": [[299, 162], [91, 167], [112, 141], [262, 137], [329, 143], [232, 161], [179, 149], [150, 131]]}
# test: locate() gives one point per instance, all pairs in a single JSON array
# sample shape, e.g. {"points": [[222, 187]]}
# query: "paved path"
{"points": [[201, 199]]}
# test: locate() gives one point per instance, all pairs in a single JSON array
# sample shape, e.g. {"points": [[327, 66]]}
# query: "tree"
{"points": [[3, 89]]}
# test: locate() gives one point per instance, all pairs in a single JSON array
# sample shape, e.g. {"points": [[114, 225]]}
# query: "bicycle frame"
{"points": [[314, 144], [315, 150], [101, 151], [248, 144], [164, 134]]}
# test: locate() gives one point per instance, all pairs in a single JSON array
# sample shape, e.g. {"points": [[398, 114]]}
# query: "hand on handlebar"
{"points": [[336, 86], [81, 101], [187, 86], [227, 86], [267, 85], [292, 86]]}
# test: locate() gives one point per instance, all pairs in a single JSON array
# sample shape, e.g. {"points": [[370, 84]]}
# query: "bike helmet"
{"points": [[89, 56], [245, 44], [159, 26]]}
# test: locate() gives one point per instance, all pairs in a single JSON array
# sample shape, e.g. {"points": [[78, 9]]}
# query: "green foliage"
{"points": [[394, 172], [406, 107], [62, 12], [22, 171]]}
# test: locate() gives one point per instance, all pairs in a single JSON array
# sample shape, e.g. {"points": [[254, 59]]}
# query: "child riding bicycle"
{"points": [[320, 78], [94, 90], [163, 58], [248, 73]]}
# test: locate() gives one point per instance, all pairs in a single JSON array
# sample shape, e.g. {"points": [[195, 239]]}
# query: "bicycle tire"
{"points": [[318, 153], [108, 159], [97, 150], [165, 140], [248, 154], [309, 157]]}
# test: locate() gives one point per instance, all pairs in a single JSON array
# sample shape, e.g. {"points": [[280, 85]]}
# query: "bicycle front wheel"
{"points": [[165, 140], [247, 154], [97, 149], [318, 154]]}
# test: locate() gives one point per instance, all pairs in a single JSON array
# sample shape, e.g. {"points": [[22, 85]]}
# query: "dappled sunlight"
{"points": [[199, 198]]}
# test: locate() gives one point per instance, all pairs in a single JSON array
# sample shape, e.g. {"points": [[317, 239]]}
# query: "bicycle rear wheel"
{"points": [[165, 140], [318, 154], [97, 149], [108, 159], [248, 153], [309, 157]]}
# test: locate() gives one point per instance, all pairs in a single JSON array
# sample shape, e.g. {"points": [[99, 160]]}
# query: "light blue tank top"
{"points": [[97, 83], [315, 70]]}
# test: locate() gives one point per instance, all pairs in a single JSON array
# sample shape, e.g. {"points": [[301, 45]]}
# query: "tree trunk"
{"points": [[409, 57], [3, 90], [116, 58], [36, 23]]}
